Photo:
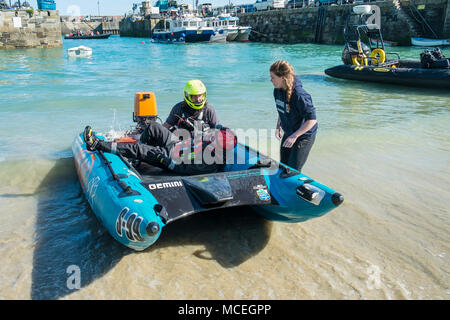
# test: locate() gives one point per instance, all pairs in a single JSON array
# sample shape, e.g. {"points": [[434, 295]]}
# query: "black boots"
{"points": [[92, 142]]}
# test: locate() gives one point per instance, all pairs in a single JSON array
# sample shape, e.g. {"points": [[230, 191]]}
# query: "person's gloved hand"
{"points": [[158, 159], [163, 160]]}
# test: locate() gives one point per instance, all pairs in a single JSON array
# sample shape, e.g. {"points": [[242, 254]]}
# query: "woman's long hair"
{"points": [[284, 70]]}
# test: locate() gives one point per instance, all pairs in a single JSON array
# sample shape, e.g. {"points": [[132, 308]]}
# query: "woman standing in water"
{"points": [[296, 115]]}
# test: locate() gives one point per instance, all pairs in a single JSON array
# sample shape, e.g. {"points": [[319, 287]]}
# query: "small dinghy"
{"points": [[427, 42], [135, 202], [79, 52]]}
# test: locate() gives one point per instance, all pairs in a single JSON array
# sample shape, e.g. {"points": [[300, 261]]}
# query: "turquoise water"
{"points": [[385, 147], [47, 90]]}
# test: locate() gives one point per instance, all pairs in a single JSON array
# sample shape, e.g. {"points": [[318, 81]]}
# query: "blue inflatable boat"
{"points": [[135, 205]]}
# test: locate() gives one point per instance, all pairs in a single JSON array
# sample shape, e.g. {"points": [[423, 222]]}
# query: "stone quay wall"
{"points": [[21, 29], [111, 26], [140, 28], [325, 24]]}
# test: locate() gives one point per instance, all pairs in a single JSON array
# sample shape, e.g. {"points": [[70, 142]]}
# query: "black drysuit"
{"points": [[156, 147]]}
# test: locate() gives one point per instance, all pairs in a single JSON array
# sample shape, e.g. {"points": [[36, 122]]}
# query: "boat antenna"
{"points": [[98, 7]]}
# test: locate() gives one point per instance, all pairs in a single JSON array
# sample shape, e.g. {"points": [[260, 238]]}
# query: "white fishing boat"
{"points": [[219, 35], [427, 42], [230, 25], [79, 52], [187, 28]]}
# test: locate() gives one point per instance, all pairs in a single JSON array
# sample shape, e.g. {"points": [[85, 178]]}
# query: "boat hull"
{"points": [[219, 36], [156, 197], [231, 36], [125, 217], [183, 36], [405, 76], [243, 34]]}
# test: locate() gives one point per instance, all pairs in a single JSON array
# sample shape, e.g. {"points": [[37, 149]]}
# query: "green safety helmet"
{"points": [[193, 88]]}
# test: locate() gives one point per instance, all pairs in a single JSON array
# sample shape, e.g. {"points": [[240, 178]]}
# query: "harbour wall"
{"points": [[141, 28], [447, 20], [22, 29], [110, 25], [400, 20]]}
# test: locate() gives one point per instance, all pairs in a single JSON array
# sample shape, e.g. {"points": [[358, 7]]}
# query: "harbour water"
{"points": [[385, 148]]}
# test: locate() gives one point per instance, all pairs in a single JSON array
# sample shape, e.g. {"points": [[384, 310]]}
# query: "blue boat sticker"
{"points": [[263, 194], [131, 225], [92, 186]]}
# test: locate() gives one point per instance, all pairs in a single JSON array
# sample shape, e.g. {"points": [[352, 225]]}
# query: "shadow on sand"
{"points": [[68, 234]]}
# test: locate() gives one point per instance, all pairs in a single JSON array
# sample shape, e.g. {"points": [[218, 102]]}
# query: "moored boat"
{"points": [[183, 29], [428, 42], [373, 64], [79, 52], [230, 25], [220, 35], [87, 36], [403, 72]]}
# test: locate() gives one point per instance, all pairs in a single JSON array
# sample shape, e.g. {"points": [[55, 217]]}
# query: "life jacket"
{"points": [[187, 120]]}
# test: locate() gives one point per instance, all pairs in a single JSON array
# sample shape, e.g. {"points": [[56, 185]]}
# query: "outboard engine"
{"points": [[351, 49], [145, 109], [434, 59]]}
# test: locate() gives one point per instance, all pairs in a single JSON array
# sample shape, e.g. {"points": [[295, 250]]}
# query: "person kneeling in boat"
{"points": [[194, 112], [161, 148]]}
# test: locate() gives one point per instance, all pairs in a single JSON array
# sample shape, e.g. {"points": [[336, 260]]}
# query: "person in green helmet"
{"points": [[194, 111]]}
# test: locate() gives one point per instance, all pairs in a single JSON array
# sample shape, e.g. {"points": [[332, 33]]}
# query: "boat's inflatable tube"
{"points": [[131, 217], [408, 74], [135, 205]]}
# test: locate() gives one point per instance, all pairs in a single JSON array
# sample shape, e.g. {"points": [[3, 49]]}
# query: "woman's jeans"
{"points": [[296, 156]]}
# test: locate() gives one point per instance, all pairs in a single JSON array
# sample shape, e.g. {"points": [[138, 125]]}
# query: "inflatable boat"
{"points": [[135, 203], [88, 36], [373, 64], [402, 72]]}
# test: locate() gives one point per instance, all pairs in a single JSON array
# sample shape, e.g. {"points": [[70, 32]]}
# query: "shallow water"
{"points": [[385, 148]]}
